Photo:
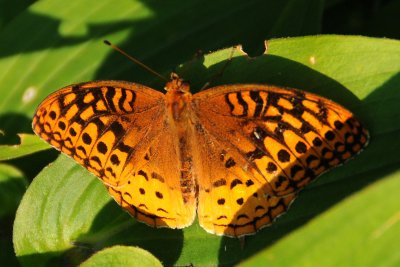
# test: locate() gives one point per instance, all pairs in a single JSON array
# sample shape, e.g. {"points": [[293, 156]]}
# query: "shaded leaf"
{"points": [[12, 187], [29, 144], [9, 11]]}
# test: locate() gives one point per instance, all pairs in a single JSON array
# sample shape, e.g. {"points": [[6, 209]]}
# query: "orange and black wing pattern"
{"points": [[267, 144]]}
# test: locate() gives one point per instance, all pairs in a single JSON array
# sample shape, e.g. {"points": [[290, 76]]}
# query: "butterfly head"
{"points": [[177, 84]]}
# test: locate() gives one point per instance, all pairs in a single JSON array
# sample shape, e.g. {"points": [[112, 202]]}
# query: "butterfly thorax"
{"points": [[178, 96]]}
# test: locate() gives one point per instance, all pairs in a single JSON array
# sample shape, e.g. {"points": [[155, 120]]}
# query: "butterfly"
{"points": [[235, 155]]}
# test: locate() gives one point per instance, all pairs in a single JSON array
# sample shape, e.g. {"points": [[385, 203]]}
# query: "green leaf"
{"points": [[9, 11], [362, 230], [28, 144], [12, 187], [66, 213], [122, 256]]}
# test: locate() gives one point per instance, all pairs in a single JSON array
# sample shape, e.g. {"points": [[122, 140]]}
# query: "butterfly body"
{"points": [[178, 117], [235, 155]]}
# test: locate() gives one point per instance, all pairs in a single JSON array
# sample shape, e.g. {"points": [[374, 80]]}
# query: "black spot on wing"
{"points": [[61, 125], [240, 201], [283, 155], [72, 131], [117, 129], [144, 174], [220, 182], [86, 138], [102, 147], [123, 147], [230, 163], [235, 182], [159, 195], [301, 147], [249, 183], [221, 201], [115, 160], [52, 115], [338, 125], [255, 154], [157, 176]]}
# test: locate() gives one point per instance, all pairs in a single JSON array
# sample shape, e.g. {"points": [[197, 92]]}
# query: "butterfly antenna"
{"points": [[221, 71], [116, 48]]}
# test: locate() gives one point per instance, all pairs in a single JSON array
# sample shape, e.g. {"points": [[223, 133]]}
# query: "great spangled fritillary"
{"points": [[235, 154]]}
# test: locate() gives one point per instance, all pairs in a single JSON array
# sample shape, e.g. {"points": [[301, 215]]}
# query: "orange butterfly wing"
{"points": [[118, 131], [239, 152], [260, 145]]}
